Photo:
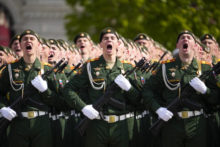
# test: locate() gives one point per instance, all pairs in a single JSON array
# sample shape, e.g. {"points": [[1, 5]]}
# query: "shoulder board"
{"points": [[127, 62], [205, 62], [45, 63], [72, 67], [91, 60], [218, 60], [14, 61], [154, 60], [168, 61]]}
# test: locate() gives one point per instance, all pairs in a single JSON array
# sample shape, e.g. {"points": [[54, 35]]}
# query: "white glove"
{"points": [[164, 114], [8, 113], [39, 83], [90, 112], [198, 85], [122, 82]]}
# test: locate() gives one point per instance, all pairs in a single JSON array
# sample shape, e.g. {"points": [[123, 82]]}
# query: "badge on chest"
{"points": [[172, 72]]}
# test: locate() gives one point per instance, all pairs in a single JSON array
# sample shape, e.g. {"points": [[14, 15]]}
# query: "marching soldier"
{"points": [[188, 128], [30, 126], [96, 76], [213, 114], [84, 43], [15, 46]]}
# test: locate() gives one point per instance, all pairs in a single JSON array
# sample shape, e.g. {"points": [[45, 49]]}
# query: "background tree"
{"points": [[160, 19]]}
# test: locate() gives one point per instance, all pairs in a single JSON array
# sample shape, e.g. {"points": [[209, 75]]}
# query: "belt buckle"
{"points": [[184, 114], [111, 119], [30, 114]]}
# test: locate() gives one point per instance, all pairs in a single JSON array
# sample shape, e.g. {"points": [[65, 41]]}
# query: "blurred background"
{"points": [[63, 19]]}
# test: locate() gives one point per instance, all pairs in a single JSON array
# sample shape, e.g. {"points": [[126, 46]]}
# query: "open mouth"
{"points": [[51, 56], [109, 47], [82, 47], [28, 47], [185, 46], [17, 50]]}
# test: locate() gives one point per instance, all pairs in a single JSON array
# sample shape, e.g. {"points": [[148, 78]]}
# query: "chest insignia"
{"points": [[142, 80], [172, 69], [97, 69], [16, 75], [61, 82], [97, 73], [173, 74], [16, 70]]}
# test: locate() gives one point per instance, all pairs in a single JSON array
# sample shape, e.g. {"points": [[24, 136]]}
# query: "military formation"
{"points": [[117, 92]]}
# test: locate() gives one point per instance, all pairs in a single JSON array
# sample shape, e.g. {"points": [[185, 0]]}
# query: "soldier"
{"points": [[96, 75], [211, 43], [141, 134], [188, 128], [84, 43], [44, 53], [15, 46], [213, 113], [30, 126]]}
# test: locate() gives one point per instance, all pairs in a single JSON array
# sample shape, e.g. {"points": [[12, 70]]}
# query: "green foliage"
{"points": [[160, 19]]}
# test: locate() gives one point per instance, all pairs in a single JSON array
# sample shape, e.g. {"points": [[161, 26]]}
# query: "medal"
{"points": [[16, 75], [97, 73], [173, 74]]}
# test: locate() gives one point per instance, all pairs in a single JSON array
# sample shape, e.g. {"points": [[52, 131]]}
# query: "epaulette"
{"points": [[205, 62], [127, 62], [72, 67], [16, 60], [45, 63], [154, 60], [168, 61], [218, 60], [91, 60]]}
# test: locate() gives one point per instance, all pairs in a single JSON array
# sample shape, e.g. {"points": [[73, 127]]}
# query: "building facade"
{"points": [[46, 17]]}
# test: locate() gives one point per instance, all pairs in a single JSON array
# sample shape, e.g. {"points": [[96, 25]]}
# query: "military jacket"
{"points": [[92, 78], [158, 93], [11, 84]]}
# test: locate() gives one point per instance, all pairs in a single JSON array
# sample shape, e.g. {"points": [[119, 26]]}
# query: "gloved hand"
{"points": [[90, 112], [122, 82], [39, 83], [198, 85], [8, 113], [164, 114]]}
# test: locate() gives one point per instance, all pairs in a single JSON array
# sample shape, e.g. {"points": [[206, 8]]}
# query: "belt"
{"points": [[64, 115], [143, 114], [188, 114], [33, 114], [74, 113], [115, 118]]}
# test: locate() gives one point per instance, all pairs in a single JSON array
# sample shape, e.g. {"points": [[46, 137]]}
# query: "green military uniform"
{"points": [[189, 128], [64, 119], [95, 78], [32, 126], [213, 118], [140, 131]]}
